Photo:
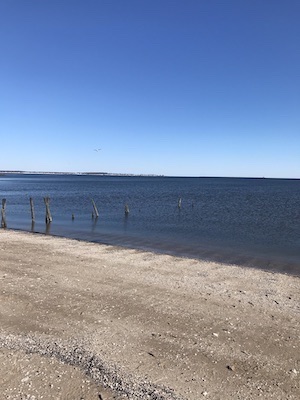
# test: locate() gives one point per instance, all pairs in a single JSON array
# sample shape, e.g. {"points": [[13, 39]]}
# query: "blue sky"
{"points": [[188, 88]]}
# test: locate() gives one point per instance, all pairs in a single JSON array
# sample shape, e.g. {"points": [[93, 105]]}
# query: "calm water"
{"points": [[253, 222]]}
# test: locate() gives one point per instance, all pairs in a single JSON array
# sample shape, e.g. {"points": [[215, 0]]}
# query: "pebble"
{"points": [[294, 371]]}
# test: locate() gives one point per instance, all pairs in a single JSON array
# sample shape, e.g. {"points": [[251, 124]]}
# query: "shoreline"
{"points": [[183, 327], [207, 254]]}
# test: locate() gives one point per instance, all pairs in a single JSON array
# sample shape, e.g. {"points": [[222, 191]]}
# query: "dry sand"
{"points": [[88, 321]]}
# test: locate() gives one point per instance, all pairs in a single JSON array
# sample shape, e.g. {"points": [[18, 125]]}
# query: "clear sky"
{"points": [[190, 87]]}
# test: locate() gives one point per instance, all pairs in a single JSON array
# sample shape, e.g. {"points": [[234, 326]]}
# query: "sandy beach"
{"points": [[88, 321]]}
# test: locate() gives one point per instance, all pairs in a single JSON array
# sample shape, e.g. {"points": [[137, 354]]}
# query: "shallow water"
{"points": [[254, 222]]}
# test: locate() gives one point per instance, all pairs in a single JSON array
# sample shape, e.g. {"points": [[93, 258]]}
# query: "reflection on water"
{"points": [[48, 228], [94, 223]]}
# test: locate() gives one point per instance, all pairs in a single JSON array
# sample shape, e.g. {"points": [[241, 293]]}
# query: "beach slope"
{"points": [[88, 321]]}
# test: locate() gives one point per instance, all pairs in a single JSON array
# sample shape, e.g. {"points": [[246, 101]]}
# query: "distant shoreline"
{"points": [[111, 174], [73, 173]]}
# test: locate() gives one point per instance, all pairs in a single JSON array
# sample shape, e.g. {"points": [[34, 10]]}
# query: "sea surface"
{"points": [[251, 222]]}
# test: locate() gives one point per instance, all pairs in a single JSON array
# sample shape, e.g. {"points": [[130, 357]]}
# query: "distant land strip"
{"points": [[5, 172]]}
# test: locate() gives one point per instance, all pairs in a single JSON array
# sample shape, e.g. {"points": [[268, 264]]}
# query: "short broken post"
{"points": [[3, 217], [32, 210], [126, 209], [95, 209], [48, 213]]}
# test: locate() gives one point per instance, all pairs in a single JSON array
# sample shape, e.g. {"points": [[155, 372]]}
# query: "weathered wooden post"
{"points": [[32, 210], [48, 213], [126, 209], [3, 217], [95, 209]]}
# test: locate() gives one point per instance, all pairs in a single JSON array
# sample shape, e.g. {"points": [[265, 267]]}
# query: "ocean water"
{"points": [[252, 222]]}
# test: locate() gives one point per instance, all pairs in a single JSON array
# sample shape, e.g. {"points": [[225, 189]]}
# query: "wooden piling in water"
{"points": [[3, 216], [32, 210], [95, 209], [126, 209], [48, 213]]}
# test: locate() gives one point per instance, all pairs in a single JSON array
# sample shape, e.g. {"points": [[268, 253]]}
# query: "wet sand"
{"points": [[88, 321]]}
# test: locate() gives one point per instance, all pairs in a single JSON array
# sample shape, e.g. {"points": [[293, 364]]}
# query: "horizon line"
{"points": [[120, 174]]}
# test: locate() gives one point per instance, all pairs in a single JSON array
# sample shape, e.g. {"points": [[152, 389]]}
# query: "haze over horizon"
{"points": [[165, 87]]}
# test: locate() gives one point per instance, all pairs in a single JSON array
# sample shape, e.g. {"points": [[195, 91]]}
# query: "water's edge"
{"points": [[208, 255]]}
